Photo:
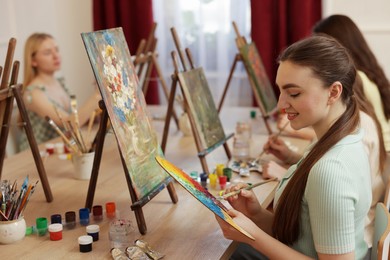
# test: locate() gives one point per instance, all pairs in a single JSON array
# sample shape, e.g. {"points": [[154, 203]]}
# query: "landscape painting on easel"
{"points": [[126, 107], [202, 106], [264, 92]]}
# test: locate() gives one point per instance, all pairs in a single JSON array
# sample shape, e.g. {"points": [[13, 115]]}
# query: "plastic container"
{"points": [[93, 231], [41, 226], [121, 233], [241, 142], [85, 243], [84, 216], [70, 219], [110, 210], [56, 218], [55, 231], [97, 212]]}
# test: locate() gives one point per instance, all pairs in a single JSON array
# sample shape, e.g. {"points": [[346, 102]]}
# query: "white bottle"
{"points": [[241, 142]]}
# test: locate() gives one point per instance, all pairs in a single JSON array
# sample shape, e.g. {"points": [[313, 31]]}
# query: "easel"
{"points": [[137, 204], [240, 42], [7, 95], [146, 55], [202, 151]]}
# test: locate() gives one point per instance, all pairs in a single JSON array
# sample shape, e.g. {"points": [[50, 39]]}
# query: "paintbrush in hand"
{"points": [[227, 195], [257, 160]]}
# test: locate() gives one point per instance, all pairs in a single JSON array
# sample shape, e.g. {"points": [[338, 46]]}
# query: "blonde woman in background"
{"points": [[43, 91]]}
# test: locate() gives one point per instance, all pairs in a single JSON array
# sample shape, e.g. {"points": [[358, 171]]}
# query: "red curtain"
{"points": [[279, 23], [136, 19]]}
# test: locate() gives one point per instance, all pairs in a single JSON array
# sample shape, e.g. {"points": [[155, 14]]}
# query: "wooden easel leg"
{"points": [[139, 215], [169, 113], [33, 143], [164, 86], [227, 150], [269, 129], [172, 192], [98, 156], [236, 59], [204, 164], [5, 130]]}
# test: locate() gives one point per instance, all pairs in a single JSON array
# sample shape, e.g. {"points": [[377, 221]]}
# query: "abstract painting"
{"points": [[200, 193], [202, 106], [126, 107], [264, 92]]}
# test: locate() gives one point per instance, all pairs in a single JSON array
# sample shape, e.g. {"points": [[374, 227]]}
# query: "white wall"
{"points": [[373, 19]]}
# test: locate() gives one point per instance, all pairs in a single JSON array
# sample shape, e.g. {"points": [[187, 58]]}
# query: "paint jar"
{"points": [[228, 173], [84, 216], [56, 218], [55, 231], [110, 210], [194, 175], [83, 165], [59, 148], [41, 226], [213, 180], [97, 212], [70, 219], [12, 231], [49, 148], [222, 182], [203, 180], [93, 231], [85, 243], [121, 233], [219, 169]]}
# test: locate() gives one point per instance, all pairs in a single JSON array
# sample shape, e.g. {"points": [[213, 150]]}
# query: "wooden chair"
{"points": [[381, 243]]}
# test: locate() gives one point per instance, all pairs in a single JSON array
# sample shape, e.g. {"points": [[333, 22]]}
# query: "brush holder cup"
{"points": [[83, 165], [12, 231]]}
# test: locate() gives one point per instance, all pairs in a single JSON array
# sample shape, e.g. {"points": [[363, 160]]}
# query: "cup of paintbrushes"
{"points": [[83, 163], [12, 231]]}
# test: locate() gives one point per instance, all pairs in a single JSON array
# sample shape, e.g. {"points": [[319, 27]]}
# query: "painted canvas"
{"points": [[202, 106], [264, 92], [125, 103], [200, 193]]}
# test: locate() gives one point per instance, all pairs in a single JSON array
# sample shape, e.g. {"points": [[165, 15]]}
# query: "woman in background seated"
{"points": [[375, 84], [43, 93]]}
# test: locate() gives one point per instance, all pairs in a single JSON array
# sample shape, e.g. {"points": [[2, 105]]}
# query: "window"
{"points": [[205, 27]]}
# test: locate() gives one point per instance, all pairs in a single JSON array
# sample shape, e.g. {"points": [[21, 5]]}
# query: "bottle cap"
{"points": [[253, 114], [85, 240], [92, 228], [55, 227], [41, 222]]}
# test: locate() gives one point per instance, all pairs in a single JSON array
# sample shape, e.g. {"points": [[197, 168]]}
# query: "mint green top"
{"points": [[336, 201]]}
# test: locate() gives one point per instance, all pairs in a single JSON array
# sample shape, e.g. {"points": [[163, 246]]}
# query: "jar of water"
{"points": [[242, 140]]}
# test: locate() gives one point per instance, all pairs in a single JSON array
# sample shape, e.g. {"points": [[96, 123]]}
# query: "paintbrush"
{"points": [[257, 160], [227, 195], [73, 105], [58, 130]]}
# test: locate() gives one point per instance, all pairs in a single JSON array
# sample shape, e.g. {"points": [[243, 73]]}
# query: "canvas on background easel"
{"points": [[199, 105], [144, 62], [258, 79], [125, 106], [10, 90]]}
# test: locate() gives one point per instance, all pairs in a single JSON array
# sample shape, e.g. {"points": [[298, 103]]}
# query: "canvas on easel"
{"points": [[199, 105], [10, 91], [258, 79], [125, 106]]}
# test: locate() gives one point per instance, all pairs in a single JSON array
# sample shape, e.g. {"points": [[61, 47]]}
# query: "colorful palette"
{"points": [[199, 193]]}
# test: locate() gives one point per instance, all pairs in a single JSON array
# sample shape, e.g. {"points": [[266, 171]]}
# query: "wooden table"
{"points": [[186, 230]]}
